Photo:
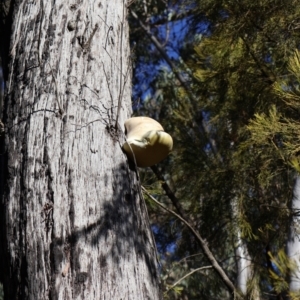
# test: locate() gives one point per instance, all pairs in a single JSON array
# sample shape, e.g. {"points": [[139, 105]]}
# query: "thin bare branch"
{"points": [[185, 276], [203, 245], [183, 82], [169, 192]]}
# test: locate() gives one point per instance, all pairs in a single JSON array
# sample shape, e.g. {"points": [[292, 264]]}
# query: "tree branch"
{"points": [[203, 245], [185, 276], [183, 82], [271, 78], [169, 192]]}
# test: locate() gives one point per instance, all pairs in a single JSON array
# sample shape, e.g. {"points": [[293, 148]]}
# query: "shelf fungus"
{"points": [[147, 143]]}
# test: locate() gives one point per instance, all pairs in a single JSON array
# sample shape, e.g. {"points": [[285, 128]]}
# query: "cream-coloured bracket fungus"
{"points": [[147, 141]]}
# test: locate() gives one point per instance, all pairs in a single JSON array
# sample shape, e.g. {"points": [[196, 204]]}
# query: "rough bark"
{"points": [[293, 244], [73, 225]]}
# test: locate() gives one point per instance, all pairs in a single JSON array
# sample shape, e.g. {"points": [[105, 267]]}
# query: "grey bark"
{"points": [[293, 244], [244, 265], [245, 281], [73, 223]]}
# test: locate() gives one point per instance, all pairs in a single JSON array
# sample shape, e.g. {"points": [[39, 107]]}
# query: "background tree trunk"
{"points": [[293, 243], [245, 281], [73, 223]]}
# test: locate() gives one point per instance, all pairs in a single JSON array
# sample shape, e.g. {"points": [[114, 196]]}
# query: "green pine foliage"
{"points": [[245, 82]]}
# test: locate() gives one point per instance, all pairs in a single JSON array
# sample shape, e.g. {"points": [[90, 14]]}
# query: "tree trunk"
{"points": [[293, 244], [73, 224], [244, 266], [245, 281]]}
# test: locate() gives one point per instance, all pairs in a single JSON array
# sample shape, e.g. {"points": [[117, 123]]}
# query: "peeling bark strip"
{"points": [[74, 226]]}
